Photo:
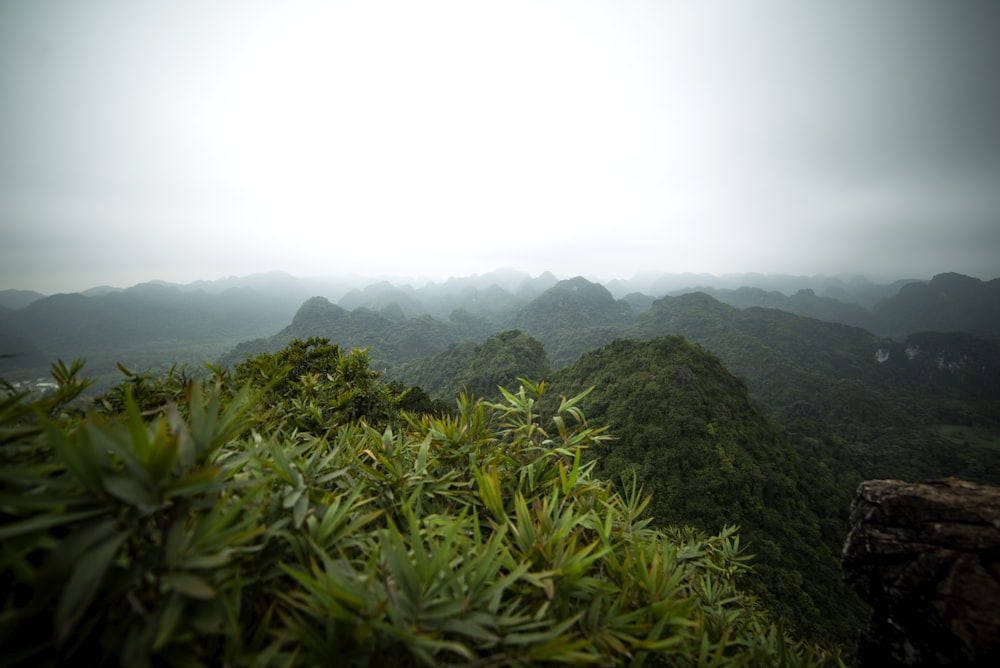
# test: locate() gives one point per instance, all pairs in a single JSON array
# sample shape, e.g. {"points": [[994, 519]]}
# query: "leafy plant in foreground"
{"points": [[217, 532]]}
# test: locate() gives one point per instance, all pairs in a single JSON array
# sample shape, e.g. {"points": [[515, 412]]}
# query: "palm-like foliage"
{"points": [[220, 530]]}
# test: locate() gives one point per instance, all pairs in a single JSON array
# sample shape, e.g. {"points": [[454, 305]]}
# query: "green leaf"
{"points": [[167, 622], [300, 509], [130, 490], [188, 584], [79, 458], [40, 522], [84, 582]]}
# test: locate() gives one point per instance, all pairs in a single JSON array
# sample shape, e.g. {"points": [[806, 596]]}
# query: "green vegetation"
{"points": [[228, 524], [778, 448], [478, 369], [686, 428], [391, 337], [145, 327]]}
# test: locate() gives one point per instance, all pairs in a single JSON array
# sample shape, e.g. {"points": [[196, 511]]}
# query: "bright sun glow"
{"points": [[429, 125]]}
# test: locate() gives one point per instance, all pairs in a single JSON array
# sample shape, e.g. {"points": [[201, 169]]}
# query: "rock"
{"points": [[926, 557]]}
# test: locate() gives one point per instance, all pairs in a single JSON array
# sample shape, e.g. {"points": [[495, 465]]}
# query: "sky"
{"points": [[192, 140]]}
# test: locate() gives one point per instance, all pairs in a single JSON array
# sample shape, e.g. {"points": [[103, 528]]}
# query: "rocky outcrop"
{"points": [[926, 557]]}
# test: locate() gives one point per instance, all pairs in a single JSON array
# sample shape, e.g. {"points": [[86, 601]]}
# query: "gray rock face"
{"points": [[926, 557]]}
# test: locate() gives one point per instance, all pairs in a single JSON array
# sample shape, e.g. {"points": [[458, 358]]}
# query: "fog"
{"points": [[184, 141]]}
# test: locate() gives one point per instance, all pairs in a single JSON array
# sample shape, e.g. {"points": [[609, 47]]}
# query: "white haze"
{"points": [[192, 140]]}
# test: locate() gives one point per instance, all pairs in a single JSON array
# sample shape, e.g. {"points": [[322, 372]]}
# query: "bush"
{"points": [[217, 531]]}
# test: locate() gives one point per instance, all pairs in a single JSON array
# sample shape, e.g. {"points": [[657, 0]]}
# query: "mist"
{"points": [[447, 139]]}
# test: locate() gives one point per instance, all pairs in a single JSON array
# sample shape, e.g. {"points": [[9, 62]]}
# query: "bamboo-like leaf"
{"points": [[401, 568], [196, 482], [568, 405], [79, 458], [45, 521], [84, 583], [422, 454], [130, 490], [188, 584], [164, 454], [470, 630], [299, 510], [136, 426], [292, 497], [553, 632], [387, 442], [168, 619], [489, 491]]}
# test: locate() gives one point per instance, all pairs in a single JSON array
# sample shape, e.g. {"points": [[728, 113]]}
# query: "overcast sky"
{"points": [[199, 139]]}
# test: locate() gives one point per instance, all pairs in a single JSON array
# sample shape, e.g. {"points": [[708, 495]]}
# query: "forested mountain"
{"points": [[478, 369], [480, 305], [18, 353], [917, 397], [146, 325], [571, 317], [946, 303], [782, 356], [15, 299], [384, 297], [391, 337], [805, 302], [849, 289], [687, 428]]}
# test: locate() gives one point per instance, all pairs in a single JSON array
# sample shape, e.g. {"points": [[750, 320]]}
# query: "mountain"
{"points": [[783, 357], [100, 291], [392, 337], [17, 299], [384, 296], [845, 288], [687, 428], [17, 353], [946, 303], [571, 317], [805, 302], [871, 407], [144, 326], [478, 368]]}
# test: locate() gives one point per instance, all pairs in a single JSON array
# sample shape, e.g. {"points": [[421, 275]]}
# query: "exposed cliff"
{"points": [[926, 557]]}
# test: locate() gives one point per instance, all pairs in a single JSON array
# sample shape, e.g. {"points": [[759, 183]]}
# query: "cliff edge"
{"points": [[926, 557]]}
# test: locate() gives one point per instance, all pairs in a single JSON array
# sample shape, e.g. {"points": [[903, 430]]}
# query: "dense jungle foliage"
{"points": [[297, 510], [687, 429]]}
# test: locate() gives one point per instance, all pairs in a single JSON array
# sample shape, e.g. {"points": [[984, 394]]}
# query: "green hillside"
{"points": [[479, 369], [391, 337], [146, 326], [947, 303], [688, 429], [571, 317]]}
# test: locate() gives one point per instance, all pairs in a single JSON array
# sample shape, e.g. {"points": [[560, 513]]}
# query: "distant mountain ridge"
{"points": [[207, 318], [143, 326], [17, 299]]}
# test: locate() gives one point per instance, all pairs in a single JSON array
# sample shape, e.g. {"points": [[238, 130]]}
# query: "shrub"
{"points": [[217, 531]]}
